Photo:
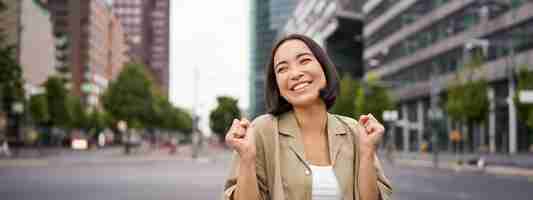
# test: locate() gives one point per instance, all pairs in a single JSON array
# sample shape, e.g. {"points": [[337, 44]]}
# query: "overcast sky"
{"points": [[212, 36]]}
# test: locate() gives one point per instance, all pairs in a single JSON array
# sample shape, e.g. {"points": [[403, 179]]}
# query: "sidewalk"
{"points": [[108, 155], [524, 160], [498, 164]]}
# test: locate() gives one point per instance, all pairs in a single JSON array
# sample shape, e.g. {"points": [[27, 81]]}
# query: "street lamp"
{"points": [[435, 116]]}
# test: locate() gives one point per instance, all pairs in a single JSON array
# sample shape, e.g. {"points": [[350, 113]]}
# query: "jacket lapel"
{"points": [[336, 137], [289, 127]]}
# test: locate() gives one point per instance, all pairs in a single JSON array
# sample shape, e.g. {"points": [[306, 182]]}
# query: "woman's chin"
{"points": [[304, 100]]}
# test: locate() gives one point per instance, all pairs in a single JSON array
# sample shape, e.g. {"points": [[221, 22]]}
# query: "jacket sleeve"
{"points": [[384, 185], [231, 182]]}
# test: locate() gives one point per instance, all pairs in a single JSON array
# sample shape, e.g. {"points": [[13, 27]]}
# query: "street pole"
{"points": [[512, 87], [435, 116], [195, 133]]}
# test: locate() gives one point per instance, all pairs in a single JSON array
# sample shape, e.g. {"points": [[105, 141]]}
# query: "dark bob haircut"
{"points": [[275, 103]]}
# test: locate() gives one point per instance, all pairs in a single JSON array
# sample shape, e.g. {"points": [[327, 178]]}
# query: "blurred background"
{"points": [[130, 99]]}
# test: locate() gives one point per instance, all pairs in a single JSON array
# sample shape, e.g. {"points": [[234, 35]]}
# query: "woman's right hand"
{"points": [[241, 138]]}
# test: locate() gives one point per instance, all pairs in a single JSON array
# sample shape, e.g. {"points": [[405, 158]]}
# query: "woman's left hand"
{"points": [[371, 132]]}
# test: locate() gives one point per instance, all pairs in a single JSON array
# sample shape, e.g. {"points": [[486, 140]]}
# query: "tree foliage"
{"points": [[96, 121], [345, 102], [221, 117], [57, 102], [167, 116], [38, 107], [11, 82], [455, 104], [133, 98], [77, 114], [467, 99], [525, 82], [373, 98], [129, 98]]}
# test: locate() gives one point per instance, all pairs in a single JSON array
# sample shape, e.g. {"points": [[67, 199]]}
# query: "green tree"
{"points": [[11, 82], [178, 119], [129, 98], [97, 121], [57, 102], [344, 104], [525, 82], [467, 99], [372, 98], [78, 117], [38, 107], [221, 117], [167, 116], [455, 104]]}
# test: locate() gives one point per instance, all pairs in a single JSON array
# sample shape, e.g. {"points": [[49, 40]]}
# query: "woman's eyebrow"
{"points": [[303, 54], [297, 56], [279, 63]]}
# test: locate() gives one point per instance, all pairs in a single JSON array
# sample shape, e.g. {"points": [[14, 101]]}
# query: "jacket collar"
{"points": [[288, 126]]}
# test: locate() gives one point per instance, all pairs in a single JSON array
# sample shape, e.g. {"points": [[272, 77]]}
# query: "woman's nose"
{"points": [[296, 75]]}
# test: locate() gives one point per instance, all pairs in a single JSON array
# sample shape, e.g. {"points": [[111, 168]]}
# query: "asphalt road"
{"points": [[185, 179]]}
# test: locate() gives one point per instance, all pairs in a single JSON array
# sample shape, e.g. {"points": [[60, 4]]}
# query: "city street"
{"points": [[202, 180]]}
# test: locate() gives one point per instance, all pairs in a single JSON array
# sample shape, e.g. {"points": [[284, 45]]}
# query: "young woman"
{"points": [[299, 151]]}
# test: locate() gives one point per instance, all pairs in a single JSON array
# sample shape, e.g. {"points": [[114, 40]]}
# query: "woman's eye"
{"points": [[281, 69], [305, 60]]}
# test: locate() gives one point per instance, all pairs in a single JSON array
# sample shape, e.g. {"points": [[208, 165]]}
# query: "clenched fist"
{"points": [[371, 132], [241, 138]]}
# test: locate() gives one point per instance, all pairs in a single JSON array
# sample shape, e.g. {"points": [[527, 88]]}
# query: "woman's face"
{"points": [[299, 75]]}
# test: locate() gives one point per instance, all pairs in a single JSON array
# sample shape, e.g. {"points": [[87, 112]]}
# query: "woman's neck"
{"points": [[312, 119]]}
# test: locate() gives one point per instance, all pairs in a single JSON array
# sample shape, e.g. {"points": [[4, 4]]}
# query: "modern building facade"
{"points": [[10, 21], [93, 44], [118, 46], [26, 24], [37, 45], [419, 45], [268, 17], [147, 26], [335, 25]]}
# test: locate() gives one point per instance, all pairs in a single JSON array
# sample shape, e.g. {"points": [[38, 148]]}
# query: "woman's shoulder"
{"points": [[345, 119], [264, 121]]}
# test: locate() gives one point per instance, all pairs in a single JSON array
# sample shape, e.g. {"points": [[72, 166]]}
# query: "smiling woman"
{"points": [[311, 56], [299, 150]]}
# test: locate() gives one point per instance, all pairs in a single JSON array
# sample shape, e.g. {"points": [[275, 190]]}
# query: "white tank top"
{"points": [[325, 184]]}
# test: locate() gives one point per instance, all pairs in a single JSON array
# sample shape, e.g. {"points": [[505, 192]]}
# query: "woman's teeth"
{"points": [[300, 86]]}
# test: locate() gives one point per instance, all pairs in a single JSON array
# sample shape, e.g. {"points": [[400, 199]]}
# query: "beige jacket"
{"points": [[282, 170]]}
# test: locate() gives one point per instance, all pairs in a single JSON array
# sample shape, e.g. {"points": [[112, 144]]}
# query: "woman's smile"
{"points": [[299, 74], [301, 86]]}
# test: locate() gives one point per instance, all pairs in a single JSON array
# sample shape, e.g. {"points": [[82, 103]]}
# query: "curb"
{"points": [[24, 162], [494, 170], [512, 171]]}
